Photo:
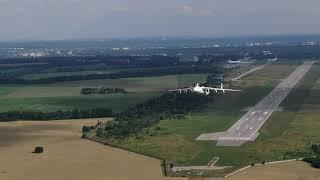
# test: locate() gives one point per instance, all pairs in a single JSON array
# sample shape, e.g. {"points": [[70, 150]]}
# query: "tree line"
{"points": [[56, 115], [102, 90], [122, 74]]}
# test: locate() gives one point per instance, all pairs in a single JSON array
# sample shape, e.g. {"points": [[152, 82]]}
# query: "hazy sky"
{"points": [[64, 19]]}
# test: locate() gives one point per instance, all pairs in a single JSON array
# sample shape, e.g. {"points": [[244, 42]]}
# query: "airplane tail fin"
{"points": [[221, 85]]}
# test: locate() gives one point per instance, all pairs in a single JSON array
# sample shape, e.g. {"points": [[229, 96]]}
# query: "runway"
{"points": [[246, 129]]}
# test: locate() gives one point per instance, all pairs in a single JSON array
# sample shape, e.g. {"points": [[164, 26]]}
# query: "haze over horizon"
{"points": [[76, 19]]}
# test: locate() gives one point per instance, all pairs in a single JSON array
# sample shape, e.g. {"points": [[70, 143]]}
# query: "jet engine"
{"points": [[207, 92]]}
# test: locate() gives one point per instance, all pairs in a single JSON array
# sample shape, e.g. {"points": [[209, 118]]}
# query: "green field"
{"points": [[116, 102], [66, 95], [284, 132]]}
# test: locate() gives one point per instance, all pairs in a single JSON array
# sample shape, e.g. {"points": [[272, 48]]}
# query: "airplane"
{"points": [[234, 62], [204, 90], [274, 59]]}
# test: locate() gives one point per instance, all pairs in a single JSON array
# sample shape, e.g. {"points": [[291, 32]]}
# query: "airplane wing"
{"points": [[232, 90], [211, 88], [180, 90], [221, 89]]}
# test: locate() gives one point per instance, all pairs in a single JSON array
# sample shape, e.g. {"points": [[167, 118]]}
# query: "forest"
{"points": [[174, 70]]}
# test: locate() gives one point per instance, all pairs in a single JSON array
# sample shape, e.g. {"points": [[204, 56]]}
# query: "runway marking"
{"points": [[232, 138]]}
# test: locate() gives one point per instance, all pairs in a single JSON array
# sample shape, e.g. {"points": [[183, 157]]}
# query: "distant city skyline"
{"points": [[100, 19]]}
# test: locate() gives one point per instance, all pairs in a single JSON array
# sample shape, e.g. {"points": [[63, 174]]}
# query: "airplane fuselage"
{"points": [[201, 90], [198, 89]]}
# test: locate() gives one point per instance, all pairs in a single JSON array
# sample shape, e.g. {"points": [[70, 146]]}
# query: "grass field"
{"points": [[116, 102], [66, 95], [268, 76], [282, 133], [66, 155], [141, 84]]}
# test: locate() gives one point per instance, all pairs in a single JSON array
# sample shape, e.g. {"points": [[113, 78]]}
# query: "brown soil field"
{"points": [[66, 156], [295, 170]]}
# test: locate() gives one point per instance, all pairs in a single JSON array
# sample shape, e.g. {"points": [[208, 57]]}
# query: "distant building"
{"points": [[309, 43], [266, 52], [186, 59], [195, 59]]}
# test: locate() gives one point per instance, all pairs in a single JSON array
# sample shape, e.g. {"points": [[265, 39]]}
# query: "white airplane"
{"points": [[234, 62], [204, 90], [274, 59]]}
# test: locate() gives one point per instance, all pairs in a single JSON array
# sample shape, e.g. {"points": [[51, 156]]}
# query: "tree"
{"points": [[171, 165], [99, 132]]}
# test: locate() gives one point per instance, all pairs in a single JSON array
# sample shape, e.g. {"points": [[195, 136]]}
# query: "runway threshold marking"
{"points": [[234, 138]]}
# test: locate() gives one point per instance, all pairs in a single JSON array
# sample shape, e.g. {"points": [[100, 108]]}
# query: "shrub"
{"points": [[38, 150]]}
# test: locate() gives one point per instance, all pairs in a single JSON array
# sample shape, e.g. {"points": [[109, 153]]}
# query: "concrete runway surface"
{"points": [[246, 129]]}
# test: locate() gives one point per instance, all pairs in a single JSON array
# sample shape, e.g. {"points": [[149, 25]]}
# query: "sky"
{"points": [[74, 19]]}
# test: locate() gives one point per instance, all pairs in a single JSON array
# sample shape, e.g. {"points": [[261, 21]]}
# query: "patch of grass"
{"points": [[141, 84], [30, 91], [116, 102], [271, 75], [185, 80]]}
